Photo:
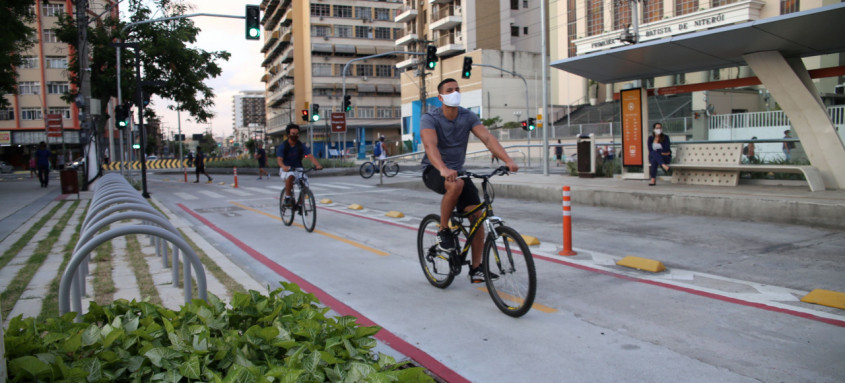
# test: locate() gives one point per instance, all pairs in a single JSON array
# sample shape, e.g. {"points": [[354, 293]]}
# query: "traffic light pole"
{"points": [[527, 107]]}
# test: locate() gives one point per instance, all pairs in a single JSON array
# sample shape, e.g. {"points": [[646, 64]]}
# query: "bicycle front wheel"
{"points": [[367, 169], [434, 262], [285, 212], [391, 169], [309, 209], [509, 272]]}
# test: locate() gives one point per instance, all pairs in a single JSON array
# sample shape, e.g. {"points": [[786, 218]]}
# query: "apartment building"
{"points": [[502, 33], [306, 46], [42, 80], [591, 26], [249, 118]]}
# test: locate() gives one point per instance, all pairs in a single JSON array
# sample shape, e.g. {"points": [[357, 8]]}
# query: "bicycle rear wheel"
{"points": [[285, 212], [309, 209], [391, 169], [509, 258], [434, 262], [367, 169]]}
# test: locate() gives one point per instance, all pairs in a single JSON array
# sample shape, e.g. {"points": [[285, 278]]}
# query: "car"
{"points": [[77, 164], [5, 167], [151, 158]]}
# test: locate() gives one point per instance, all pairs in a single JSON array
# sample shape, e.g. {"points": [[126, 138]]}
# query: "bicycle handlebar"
{"points": [[500, 171]]}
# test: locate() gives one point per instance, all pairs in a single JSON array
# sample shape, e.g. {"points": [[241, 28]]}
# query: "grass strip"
{"points": [[12, 251], [139, 266], [19, 283], [104, 287], [50, 307]]}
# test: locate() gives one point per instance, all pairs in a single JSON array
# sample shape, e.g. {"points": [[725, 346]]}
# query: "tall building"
{"points": [[504, 34], [249, 118], [593, 26], [42, 80], [306, 46]]}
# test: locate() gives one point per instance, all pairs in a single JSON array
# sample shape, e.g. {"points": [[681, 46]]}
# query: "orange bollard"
{"points": [[236, 177], [567, 224]]}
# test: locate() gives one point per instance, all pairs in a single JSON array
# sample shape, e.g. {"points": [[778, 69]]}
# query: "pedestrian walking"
{"points": [[42, 160], [261, 156], [200, 162]]}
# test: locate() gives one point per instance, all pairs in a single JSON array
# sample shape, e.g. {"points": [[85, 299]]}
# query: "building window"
{"points": [[397, 112], [320, 30], [56, 62], [789, 6], [363, 32], [364, 69], [338, 70], [30, 114], [515, 4], [524, 3], [49, 36], [595, 19], [321, 69], [383, 14], [29, 87], [65, 112], [683, 7], [30, 62], [383, 70], [53, 10], [366, 112], [571, 28], [621, 14], [385, 112], [57, 87], [652, 11], [365, 13], [397, 33], [343, 31], [524, 30], [382, 33], [320, 10], [343, 11], [719, 3], [7, 114], [514, 31]]}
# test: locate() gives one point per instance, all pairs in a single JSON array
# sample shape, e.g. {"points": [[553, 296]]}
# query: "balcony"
{"points": [[407, 39], [446, 18], [406, 15], [406, 63], [450, 44], [271, 39], [439, 1]]}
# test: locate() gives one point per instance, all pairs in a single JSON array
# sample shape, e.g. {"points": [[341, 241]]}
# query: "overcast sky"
{"points": [[242, 72]]}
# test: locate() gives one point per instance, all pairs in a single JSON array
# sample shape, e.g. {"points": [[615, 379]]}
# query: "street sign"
{"points": [[338, 122], [54, 125]]}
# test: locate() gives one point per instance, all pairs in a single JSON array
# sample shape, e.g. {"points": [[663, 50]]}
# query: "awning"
{"points": [[327, 48], [385, 88], [344, 48], [366, 50], [366, 88]]}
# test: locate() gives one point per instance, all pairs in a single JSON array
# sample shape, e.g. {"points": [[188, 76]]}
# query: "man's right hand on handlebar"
{"points": [[449, 174]]}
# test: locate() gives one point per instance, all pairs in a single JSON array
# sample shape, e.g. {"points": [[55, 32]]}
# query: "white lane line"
{"points": [[185, 196]]}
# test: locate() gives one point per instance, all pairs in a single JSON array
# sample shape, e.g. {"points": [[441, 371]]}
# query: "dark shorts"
{"points": [[200, 169], [262, 164], [434, 181]]}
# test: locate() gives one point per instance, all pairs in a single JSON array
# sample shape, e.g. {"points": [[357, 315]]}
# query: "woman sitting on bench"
{"points": [[659, 152]]}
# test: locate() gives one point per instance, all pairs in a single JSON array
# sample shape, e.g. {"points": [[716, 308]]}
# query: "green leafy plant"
{"points": [[284, 336]]}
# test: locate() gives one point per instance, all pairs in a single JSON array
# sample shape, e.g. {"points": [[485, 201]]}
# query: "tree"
{"points": [[15, 37], [491, 123], [164, 53]]}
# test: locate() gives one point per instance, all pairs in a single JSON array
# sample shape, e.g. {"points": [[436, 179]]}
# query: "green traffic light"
{"points": [[431, 64], [253, 32], [315, 117], [122, 123]]}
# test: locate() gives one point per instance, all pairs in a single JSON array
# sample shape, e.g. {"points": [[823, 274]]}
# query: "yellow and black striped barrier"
{"points": [[155, 164]]}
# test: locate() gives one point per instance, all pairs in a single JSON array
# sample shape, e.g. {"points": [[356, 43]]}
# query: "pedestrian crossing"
{"points": [[320, 190]]}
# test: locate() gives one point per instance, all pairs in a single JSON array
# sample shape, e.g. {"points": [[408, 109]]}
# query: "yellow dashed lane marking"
{"points": [[535, 306], [332, 236]]}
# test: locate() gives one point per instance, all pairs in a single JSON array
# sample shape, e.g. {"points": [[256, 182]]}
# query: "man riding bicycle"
{"points": [[289, 156], [445, 135]]}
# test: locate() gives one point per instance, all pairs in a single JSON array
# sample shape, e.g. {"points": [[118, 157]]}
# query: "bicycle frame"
{"points": [[486, 217]]}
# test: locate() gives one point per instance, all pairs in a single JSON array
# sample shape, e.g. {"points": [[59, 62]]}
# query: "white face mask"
{"points": [[452, 99], [657, 132]]}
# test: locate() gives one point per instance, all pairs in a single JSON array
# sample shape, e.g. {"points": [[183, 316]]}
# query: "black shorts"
{"points": [[434, 181]]}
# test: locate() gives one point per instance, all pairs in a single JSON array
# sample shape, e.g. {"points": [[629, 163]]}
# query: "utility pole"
{"points": [[421, 44], [83, 98]]}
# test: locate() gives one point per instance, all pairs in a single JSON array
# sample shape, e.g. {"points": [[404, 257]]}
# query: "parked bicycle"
{"points": [[302, 203], [391, 168], [508, 264]]}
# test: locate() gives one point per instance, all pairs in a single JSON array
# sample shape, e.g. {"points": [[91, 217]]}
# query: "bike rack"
{"points": [[115, 200]]}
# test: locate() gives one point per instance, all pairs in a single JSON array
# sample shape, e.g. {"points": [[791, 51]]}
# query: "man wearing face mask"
{"points": [[445, 135], [289, 156]]}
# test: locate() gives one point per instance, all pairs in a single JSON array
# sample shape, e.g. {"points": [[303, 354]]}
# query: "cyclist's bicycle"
{"points": [[391, 168], [507, 262], [302, 201]]}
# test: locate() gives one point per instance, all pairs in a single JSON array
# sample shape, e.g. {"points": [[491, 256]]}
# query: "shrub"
{"points": [[284, 336]]}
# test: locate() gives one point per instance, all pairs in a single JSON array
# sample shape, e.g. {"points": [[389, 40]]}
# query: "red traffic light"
{"points": [[304, 114]]}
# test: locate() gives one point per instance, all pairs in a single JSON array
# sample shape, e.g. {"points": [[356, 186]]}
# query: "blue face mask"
{"points": [[452, 99]]}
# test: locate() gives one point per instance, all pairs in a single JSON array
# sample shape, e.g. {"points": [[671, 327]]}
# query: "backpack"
{"points": [[377, 149]]}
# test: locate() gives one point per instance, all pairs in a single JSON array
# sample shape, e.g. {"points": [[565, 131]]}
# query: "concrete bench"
{"points": [[720, 165]]}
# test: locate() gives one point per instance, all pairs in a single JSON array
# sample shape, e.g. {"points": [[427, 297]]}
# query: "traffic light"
{"points": [[146, 97], [531, 124], [347, 103], [524, 125], [467, 67], [315, 112], [121, 116], [305, 115], [253, 24], [430, 56]]}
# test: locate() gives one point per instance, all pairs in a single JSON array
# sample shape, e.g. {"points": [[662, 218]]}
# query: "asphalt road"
{"points": [[727, 310]]}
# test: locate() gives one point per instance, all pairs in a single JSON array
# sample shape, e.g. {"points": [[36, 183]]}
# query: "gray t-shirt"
{"points": [[452, 135]]}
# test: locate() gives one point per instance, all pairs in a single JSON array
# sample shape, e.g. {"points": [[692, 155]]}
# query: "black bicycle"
{"points": [[391, 168], [508, 265], [303, 202]]}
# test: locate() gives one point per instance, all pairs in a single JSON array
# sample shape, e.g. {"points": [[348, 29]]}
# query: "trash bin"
{"points": [[586, 146], [69, 181]]}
